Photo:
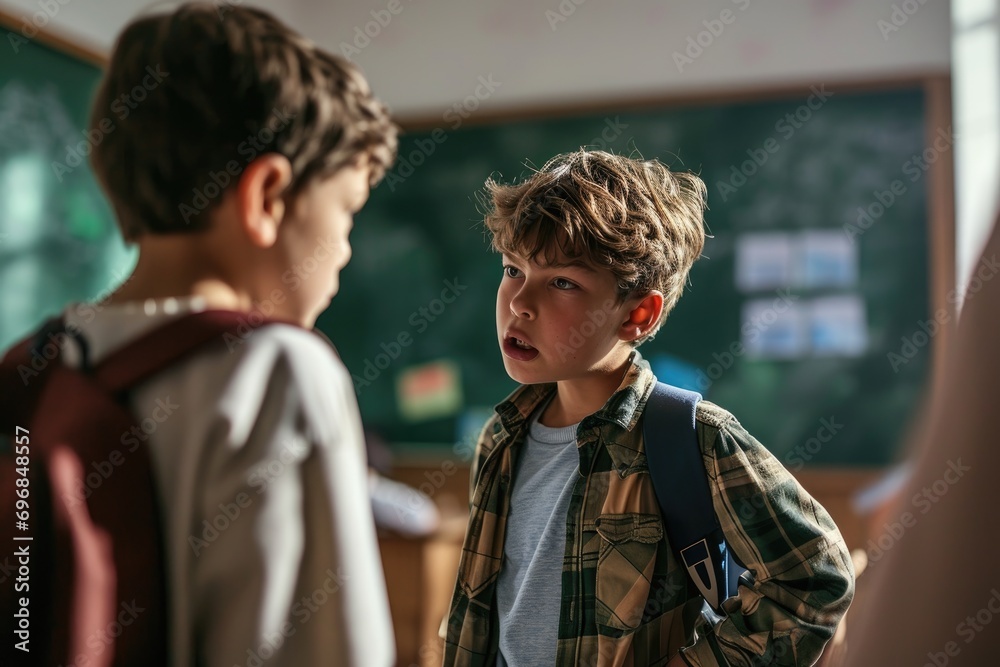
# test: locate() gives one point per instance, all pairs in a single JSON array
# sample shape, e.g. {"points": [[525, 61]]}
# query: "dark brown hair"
{"points": [[191, 97], [633, 217]]}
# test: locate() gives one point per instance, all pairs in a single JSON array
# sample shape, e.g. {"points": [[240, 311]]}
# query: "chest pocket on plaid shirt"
{"points": [[625, 567]]}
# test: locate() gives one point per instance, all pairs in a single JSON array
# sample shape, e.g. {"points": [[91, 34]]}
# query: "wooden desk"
{"points": [[420, 573], [420, 577]]}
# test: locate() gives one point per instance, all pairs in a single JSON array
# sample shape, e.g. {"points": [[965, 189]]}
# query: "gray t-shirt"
{"points": [[529, 588]]}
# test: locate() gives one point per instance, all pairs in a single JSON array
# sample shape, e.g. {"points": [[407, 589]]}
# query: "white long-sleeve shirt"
{"points": [[259, 460]]}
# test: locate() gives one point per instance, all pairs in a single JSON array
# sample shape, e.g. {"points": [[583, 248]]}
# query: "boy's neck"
{"points": [[580, 398], [172, 266]]}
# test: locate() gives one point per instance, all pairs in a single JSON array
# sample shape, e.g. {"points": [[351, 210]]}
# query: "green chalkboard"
{"points": [[807, 169], [807, 163], [58, 240]]}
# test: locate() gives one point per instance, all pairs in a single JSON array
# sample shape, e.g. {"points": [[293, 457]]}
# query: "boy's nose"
{"points": [[521, 306]]}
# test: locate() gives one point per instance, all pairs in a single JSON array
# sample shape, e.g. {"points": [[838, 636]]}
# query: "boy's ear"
{"points": [[642, 315], [260, 197]]}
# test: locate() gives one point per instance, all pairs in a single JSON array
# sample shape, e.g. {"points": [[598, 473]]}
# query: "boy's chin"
{"points": [[521, 375], [308, 319]]}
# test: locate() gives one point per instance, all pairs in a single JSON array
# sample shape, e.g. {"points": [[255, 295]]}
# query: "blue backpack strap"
{"points": [[678, 473]]}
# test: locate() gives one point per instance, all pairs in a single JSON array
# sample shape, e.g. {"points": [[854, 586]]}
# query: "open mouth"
{"points": [[515, 348]]}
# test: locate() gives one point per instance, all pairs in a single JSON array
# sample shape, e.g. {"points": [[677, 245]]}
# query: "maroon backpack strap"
{"points": [[21, 371], [168, 343]]}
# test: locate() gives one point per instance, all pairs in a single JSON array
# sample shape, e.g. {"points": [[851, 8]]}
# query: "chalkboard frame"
{"points": [[55, 40]]}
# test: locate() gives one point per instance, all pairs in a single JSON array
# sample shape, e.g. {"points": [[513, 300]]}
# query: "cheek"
{"points": [[503, 301]]}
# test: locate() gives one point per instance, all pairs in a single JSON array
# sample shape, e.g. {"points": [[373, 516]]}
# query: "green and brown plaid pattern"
{"points": [[626, 599]]}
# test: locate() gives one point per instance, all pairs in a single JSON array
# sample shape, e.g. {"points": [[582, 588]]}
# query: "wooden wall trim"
{"points": [[941, 212]]}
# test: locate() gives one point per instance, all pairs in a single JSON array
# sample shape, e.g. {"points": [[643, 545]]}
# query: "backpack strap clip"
{"points": [[701, 568]]}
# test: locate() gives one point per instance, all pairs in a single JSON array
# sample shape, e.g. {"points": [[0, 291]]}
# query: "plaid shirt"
{"points": [[626, 598]]}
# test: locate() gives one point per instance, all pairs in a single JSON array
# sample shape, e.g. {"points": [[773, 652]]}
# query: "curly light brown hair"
{"points": [[634, 217], [192, 96]]}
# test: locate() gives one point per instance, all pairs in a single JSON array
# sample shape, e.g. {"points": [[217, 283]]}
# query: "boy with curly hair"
{"points": [[566, 561]]}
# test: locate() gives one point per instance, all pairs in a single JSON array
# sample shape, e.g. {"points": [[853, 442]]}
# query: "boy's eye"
{"points": [[511, 271], [562, 283]]}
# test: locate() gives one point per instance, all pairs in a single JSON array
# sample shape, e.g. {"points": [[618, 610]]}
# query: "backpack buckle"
{"points": [[700, 567]]}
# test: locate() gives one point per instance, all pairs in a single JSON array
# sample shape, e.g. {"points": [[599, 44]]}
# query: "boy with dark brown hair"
{"points": [[235, 153], [566, 561]]}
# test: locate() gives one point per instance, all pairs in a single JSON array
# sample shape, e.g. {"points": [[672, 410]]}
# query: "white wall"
{"points": [[976, 84], [430, 54]]}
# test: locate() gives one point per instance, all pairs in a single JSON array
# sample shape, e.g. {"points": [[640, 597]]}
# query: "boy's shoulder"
{"points": [[312, 360], [268, 377], [296, 358], [710, 414], [724, 439], [252, 356], [305, 350], [284, 381], [718, 432]]}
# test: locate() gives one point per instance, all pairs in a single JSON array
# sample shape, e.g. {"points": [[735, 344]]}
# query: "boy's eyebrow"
{"points": [[576, 263]]}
